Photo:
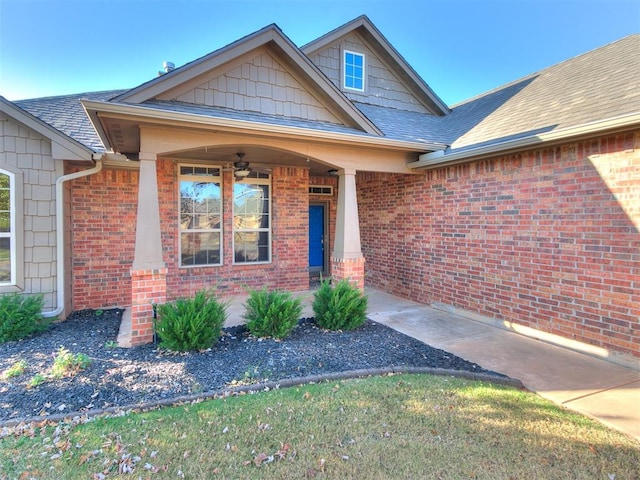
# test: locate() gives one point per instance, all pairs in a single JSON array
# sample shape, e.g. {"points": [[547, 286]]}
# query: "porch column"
{"points": [[346, 259], [148, 272]]}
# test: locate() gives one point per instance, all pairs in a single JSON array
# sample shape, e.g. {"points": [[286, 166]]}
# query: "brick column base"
{"points": [[350, 268], [147, 287]]}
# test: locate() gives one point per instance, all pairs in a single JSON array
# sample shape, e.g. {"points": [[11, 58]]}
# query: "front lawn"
{"points": [[401, 426]]}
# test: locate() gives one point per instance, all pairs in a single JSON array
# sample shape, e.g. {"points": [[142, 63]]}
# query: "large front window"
{"points": [[200, 215], [7, 229], [252, 219]]}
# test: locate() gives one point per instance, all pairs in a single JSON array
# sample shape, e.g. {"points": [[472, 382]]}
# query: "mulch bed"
{"points": [[132, 376]]}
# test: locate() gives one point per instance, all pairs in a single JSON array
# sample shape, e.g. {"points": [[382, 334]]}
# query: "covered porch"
{"points": [[286, 166]]}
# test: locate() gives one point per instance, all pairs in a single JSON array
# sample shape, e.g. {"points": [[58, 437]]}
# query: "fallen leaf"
{"points": [[260, 458]]}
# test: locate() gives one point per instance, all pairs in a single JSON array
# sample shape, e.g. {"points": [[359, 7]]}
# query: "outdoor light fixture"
{"points": [[333, 172], [241, 168]]}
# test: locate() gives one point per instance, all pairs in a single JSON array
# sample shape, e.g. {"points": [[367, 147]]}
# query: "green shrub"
{"points": [[190, 324], [21, 316], [272, 313], [342, 307]]}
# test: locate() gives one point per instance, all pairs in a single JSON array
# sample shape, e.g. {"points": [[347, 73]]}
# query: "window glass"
{"points": [[200, 216], [353, 70], [252, 219], [7, 253]]}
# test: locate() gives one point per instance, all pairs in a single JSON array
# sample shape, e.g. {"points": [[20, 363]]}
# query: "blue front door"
{"points": [[316, 238]]}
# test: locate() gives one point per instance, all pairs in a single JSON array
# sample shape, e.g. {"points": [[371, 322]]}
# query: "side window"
{"points": [[7, 229], [252, 219], [353, 71], [200, 215]]}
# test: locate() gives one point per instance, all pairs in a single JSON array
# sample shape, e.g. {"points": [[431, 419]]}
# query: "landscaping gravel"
{"points": [[130, 376]]}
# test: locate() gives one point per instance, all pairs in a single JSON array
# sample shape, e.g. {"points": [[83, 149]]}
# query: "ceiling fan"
{"points": [[240, 167]]}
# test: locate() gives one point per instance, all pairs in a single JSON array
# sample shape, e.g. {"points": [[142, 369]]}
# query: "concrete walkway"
{"points": [[597, 388]]}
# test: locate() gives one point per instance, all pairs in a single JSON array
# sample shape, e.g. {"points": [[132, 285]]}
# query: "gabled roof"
{"points": [[593, 92], [385, 50], [271, 36], [65, 114], [62, 146]]}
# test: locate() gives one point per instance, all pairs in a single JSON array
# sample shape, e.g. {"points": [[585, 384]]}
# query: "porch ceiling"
{"points": [[258, 157]]}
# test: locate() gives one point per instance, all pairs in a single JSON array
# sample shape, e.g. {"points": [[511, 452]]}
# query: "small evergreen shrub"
{"points": [[342, 307], [21, 316], [272, 313], [190, 324]]}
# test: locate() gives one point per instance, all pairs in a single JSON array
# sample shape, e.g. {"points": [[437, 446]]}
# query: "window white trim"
{"points": [[17, 226], [348, 73], [210, 174], [254, 179], [11, 234]]}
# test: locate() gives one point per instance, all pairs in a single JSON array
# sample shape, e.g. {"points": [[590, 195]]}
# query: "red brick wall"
{"points": [[104, 218], [548, 238], [103, 224], [289, 255]]}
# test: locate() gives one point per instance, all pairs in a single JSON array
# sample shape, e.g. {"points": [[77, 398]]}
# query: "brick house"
{"points": [[262, 162]]}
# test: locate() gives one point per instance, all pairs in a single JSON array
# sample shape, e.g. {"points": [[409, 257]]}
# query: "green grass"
{"points": [[403, 426]]}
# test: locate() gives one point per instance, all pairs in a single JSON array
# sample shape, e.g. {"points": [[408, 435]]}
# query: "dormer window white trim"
{"points": [[353, 71]]}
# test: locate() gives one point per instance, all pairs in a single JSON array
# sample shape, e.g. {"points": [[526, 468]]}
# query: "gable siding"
{"points": [[382, 87], [546, 238], [24, 150], [261, 85]]}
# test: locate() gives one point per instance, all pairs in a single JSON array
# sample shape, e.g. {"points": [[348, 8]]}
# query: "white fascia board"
{"points": [[443, 157], [164, 116]]}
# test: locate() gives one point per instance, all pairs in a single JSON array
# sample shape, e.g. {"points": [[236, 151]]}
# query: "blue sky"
{"points": [[461, 48]]}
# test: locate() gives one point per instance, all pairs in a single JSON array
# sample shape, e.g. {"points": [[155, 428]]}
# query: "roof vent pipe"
{"points": [[166, 68]]}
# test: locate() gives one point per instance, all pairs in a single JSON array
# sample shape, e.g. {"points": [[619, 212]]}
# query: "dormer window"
{"points": [[353, 76]]}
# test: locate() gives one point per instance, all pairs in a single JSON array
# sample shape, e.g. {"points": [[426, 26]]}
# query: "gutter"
{"points": [[60, 232], [94, 109], [441, 157]]}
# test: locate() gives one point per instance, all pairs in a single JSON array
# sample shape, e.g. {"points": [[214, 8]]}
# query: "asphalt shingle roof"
{"points": [[227, 113], [595, 86], [405, 125], [65, 113], [598, 85]]}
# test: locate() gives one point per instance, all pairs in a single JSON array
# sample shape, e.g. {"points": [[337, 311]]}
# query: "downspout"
{"points": [[60, 232]]}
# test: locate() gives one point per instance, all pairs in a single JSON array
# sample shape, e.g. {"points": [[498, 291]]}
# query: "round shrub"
{"points": [[190, 324], [21, 316], [341, 307], [272, 313]]}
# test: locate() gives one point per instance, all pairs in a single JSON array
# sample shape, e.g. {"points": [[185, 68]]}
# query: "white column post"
{"points": [[148, 251], [347, 261]]}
